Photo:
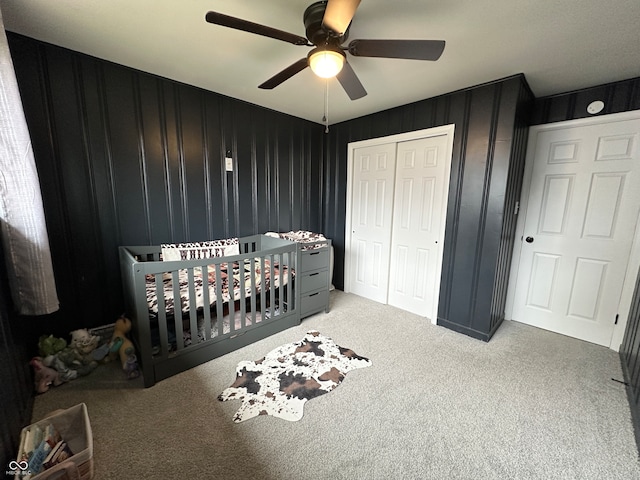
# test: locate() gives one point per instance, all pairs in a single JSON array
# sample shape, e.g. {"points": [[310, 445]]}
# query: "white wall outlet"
{"points": [[228, 164]]}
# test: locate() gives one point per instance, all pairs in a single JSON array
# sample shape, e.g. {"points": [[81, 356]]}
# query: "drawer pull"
{"points": [[314, 253], [314, 294], [314, 274]]}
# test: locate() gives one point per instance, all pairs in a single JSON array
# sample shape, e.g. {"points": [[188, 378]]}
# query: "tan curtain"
{"points": [[22, 226]]}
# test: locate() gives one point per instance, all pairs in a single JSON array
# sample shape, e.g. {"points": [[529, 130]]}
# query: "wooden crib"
{"points": [[186, 312]]}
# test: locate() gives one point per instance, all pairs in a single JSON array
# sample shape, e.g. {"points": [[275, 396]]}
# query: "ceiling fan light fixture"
{"points": [[326, 62]]}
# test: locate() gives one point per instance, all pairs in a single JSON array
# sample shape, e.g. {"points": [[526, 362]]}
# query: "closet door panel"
{"points": [[374, 172], [417, 213]]}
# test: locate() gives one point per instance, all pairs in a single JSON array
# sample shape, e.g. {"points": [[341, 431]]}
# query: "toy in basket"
{"points": [[59, 446]]}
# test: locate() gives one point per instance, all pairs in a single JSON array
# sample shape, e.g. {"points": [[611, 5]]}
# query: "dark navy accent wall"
{"points": [[617, 97], [16, 393], [630, 357], [128, 158], [486, 175]]}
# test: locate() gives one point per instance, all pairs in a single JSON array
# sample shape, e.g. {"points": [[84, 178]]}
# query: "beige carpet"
{"points": [[436, 404]]}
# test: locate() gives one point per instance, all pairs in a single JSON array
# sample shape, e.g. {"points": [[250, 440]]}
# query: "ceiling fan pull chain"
{"points": [[325, 118]]}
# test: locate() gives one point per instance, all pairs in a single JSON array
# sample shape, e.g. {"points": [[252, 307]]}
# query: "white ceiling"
{"points": [[560, 45]]}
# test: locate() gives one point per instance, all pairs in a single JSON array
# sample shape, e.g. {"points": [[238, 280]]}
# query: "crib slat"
{"points": [[162, 317], [193, 306], [272, 290], [232, 299], [243, 293], [177, 309], [263, 303], [252, 305], [219, 303], [290, 296], [206, 311], [285, 287]]}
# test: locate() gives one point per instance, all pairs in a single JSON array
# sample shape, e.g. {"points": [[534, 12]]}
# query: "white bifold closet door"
{"points": [[417, 215], [398, 207], [372, 215]]}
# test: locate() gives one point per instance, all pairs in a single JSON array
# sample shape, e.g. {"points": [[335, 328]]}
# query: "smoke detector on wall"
{"points": [[595, 107]]}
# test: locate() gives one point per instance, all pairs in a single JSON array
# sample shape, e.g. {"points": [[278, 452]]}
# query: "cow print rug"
{"points": [[280, 383]]}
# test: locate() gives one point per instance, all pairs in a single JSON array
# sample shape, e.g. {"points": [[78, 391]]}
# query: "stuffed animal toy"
{"points": [[44, 376], [83, 341], [76, 360], [50, 345], [56, 362], [122, 347]]}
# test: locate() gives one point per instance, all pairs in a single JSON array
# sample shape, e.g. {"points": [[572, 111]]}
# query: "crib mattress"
{"points": [[230, 278]]}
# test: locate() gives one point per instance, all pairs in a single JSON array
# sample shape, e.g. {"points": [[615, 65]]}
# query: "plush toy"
{"points": [[83, 342], [76, 360], [50, 345], [56, 362], [44, 376], [122, 347]]}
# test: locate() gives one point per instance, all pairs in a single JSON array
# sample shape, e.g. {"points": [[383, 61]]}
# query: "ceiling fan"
{"points": [[327, 28]]}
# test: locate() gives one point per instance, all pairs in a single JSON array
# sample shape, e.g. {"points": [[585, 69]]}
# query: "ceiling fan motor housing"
{"points": [[314, 31]]}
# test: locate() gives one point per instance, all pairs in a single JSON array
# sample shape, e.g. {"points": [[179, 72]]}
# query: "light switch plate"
{"points": [[228, 164]]}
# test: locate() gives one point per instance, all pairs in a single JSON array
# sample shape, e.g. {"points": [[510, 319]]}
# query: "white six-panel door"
{"points": [[371, 220], [416, 230], [579, 227]]}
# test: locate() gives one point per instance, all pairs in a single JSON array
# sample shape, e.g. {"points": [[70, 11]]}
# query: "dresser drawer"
{"points": [[314, 281], [313, 302], [314, 259]]}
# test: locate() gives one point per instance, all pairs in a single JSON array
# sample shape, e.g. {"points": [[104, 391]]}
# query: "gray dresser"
{"points": [[313, 278]]}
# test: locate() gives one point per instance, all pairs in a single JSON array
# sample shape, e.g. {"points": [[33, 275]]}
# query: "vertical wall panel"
{"points": [[214, 158], [471, 215], [630, 357], [190, 148], [131, 198], [154, 137], [512, 197]]}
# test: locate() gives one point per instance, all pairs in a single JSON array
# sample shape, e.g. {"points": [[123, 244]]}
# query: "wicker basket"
{"points": [[74, 427]]}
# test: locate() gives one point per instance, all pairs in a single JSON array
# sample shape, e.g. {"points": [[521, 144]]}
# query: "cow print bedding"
{"points": [[301, 236], [280, 383], [230, 280]]}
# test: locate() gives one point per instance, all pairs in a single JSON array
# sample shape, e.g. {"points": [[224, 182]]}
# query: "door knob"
{"points": [[529, 239]]}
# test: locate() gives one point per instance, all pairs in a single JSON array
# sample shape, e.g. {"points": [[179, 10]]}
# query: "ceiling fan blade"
{"points": [[410, 49], [339, 14], [285, 74], [350, 82], [246, 26]]}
